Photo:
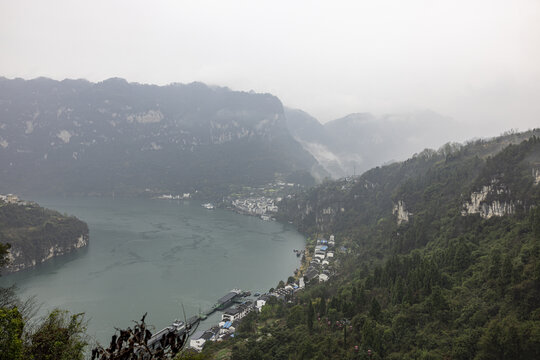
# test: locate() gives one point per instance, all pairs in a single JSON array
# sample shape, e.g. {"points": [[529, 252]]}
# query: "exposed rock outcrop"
{"points": [[401, 212], [479, 203], [20, 259], [536, 176]]}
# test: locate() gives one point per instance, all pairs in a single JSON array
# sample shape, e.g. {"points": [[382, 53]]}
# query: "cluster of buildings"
{"points": [[184, 196], [225, 329], [9, 198], [259, 206], [320, 266], [320, 269], [14, 199], [233, 316]]}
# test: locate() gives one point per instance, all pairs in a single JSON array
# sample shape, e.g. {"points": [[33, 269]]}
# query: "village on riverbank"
{"points": [[318, 265]]}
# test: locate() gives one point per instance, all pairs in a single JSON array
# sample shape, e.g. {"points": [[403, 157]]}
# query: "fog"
{"points": [[475, 61]]}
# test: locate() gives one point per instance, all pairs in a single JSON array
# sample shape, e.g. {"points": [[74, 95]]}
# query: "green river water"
{"points": [[153, 255]]}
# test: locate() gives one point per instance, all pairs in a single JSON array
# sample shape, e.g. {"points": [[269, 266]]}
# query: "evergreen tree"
{"points": [[310, 315]]}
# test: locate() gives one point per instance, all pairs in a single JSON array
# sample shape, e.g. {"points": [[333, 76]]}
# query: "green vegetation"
{"points": [[31, 231], [59, 335], [443, 285]]}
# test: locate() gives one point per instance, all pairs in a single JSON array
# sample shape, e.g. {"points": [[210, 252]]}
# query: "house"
{"points": [[198, 339], [323, 277], [325, 263], [282, 293], [238, 312], [12, 199], [261, 302], [310, 274], [331, 242], [330, 255], [227, 328]]}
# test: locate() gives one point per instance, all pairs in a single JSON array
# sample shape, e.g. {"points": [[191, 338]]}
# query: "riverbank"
{"points": [[161, 253]]}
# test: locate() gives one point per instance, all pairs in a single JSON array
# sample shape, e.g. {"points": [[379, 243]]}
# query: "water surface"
{"points": [[152, 255]]}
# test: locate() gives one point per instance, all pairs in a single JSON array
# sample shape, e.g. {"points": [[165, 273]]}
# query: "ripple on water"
{"points": [[150, 256]]}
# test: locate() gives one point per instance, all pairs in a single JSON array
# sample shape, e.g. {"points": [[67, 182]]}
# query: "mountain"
{"points": [[36, 234], [74, 136], [437, 257], [358, 142]]}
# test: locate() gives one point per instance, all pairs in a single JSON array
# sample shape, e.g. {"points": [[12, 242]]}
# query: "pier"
{"points": [[180, 328]]}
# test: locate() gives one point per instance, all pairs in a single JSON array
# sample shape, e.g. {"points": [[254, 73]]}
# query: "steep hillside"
{"points": [[36, 234], [74, 136], [442, 261]]}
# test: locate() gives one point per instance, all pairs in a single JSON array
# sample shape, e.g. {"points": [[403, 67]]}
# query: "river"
{"points": [[154, 255]]}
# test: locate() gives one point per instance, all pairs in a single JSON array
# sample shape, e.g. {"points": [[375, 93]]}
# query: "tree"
{"points": [[310, 315], [295, 316], [375, 311], [322, 307], [60, 337], [135, 344], [11, 330]]}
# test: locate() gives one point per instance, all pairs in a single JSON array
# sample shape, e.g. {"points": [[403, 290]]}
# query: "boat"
{"points": [[208, 206]]}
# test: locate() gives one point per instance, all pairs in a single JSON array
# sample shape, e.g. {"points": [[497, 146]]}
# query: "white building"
{"points": [[238, 312], [198, 339], [323, 277], [325, 263], [261, 302]]}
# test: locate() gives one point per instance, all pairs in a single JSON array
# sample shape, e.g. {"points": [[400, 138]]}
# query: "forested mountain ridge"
{"points": [[434, 269], [36, 234], [455, 172], [74, 136]]}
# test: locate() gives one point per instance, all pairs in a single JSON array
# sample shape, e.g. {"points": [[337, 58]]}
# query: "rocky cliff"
{"points": [[37, 234], [74, 136]]}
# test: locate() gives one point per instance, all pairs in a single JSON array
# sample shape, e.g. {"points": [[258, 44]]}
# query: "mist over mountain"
{"points": [[74, 136], [360, 141]]}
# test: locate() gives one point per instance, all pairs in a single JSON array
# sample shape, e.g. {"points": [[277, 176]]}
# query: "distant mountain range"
{"points": [[74, 136], [115, 137], [357, 142]]}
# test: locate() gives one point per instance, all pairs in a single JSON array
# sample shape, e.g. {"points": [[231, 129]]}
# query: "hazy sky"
{"points": [[476, 61]]}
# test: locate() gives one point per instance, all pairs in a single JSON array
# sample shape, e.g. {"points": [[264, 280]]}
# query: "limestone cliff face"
{"points": [[488, 203], [401, 212], [77, 137], [19, 259], [536, 176]]}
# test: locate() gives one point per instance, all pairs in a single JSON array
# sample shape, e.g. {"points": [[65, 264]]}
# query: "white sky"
{"points": [[477, 61]]}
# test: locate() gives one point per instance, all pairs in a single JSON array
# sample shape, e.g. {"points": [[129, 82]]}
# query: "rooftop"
{"points": [[227, 298]]}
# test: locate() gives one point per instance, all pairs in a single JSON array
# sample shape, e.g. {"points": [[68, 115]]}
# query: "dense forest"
{"points": [[449, 282]]}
